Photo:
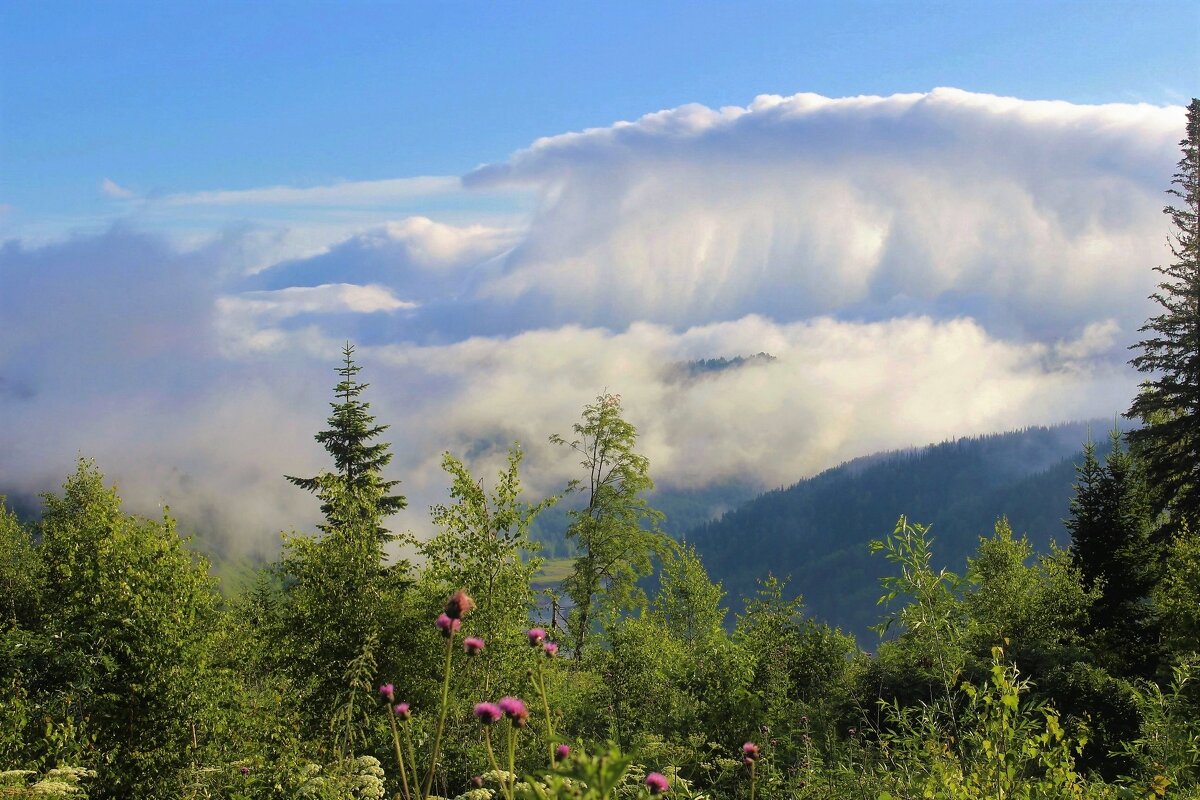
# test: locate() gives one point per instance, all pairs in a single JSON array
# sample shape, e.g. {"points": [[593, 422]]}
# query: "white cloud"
{"points": [[922, 266], [345, 193], [111, 188], [248, 322], [1028, 214]]}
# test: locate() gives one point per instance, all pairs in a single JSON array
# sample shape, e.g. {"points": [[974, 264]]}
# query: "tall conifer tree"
{"points": [[1169, 402], [358, 461], [1112, 546]]}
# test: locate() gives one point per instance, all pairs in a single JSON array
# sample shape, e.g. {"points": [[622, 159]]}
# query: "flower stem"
{"points": [[437, 739], [412, 755], [753, 764], [540, 681], [399, 755], [512, 753], [487, 742]]}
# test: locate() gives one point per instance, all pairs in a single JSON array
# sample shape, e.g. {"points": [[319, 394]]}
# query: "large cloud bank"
{"points": [[921, 266]]}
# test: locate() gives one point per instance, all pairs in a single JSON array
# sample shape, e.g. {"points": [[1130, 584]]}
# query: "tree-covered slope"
{"points": [[817, 530]]}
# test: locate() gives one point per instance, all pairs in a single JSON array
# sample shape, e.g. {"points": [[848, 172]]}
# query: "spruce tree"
{"points": [[1113, 549], [1168, 404], [358, 462]]}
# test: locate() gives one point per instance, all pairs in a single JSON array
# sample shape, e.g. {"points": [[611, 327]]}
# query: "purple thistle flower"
{"points": [[388, 691], [477, 781], [459, 605], [488, 713], [447, 625], [551, 649], [656, 782], [562, 751], [245, 770], [403, 711], [473, 645], [515, 709], [750, 751], [536, 637]]}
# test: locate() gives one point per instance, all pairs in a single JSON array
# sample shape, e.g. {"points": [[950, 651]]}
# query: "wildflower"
{"points": [[388, 691], [562, 751], [477, 781], [245, 770], [447, 625], [488, 713], [459, 605], [473, 645], [515, 709], [551, 649], [853, 731], [403, 711], [656, 782], [536, 637], [750, 751]]}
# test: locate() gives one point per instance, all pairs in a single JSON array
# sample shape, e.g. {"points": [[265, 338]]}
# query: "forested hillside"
{"points": [[816, 531]]}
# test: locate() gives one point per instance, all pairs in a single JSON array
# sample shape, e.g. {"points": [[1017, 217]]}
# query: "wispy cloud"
{"points": [[111, 188], [344, 194]]}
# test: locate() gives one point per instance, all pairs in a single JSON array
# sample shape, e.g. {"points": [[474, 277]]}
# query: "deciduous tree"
{"points": [[617, 529]]}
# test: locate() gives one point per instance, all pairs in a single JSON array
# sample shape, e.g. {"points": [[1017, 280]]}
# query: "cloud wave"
{"points": [[920, 266]]}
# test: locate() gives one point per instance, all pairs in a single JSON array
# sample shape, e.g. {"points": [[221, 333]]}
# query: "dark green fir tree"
{"points": [[1168, 404], [1113, 548], [356, 488]]}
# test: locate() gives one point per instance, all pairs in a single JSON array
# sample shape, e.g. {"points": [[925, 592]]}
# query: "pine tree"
{"points": [[358, 462], [1114, 551], [1169, 403]]}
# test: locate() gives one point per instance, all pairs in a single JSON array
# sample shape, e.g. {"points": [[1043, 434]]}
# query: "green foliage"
{"points": [[1167, 750], [688, 604], [20, 571], [1168, 404], [358, 463], [1177, 596], [116, 660], [1035, 605], [1114, 550], [1002, 746], [479, 547], [931, 621], [614, 547]]}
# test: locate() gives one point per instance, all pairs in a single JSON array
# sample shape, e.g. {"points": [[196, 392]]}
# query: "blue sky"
{"points": [[172, 97], [941, 218]]}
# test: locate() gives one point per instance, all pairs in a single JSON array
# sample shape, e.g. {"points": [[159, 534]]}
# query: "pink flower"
{"points": [[536, 637], [459, 605], [447, 625], [402, 711], [388, 691], [473, 645], [750, 751], [551, 649], [562, 751], [488, 713], [515, 709], [656, 782], [477, 781]]}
